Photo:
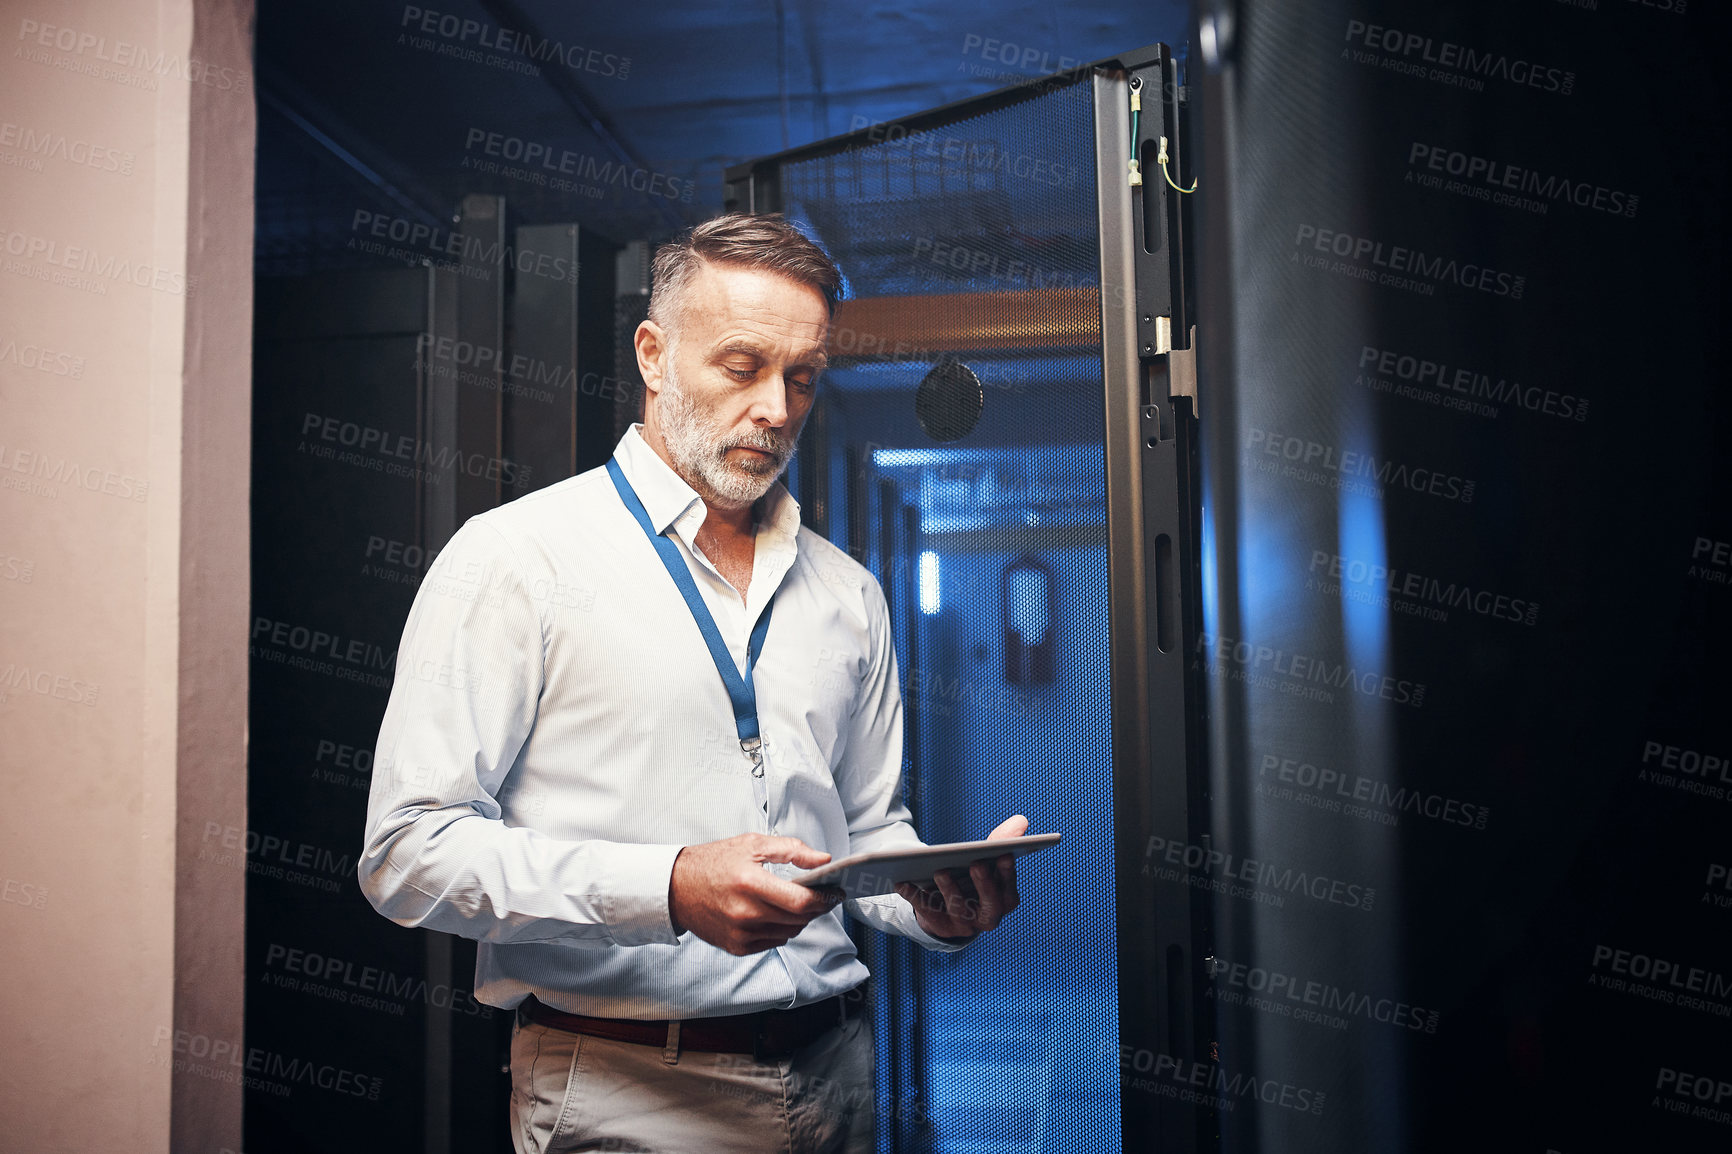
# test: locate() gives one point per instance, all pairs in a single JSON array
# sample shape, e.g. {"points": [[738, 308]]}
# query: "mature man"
{"points": [[627, 708]]}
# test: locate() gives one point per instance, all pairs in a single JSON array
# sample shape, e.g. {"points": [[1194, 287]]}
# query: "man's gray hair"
{"points": [[741, 240]]}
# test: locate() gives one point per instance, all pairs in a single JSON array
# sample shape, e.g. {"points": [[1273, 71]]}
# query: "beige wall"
{"points": [[126, 152]]}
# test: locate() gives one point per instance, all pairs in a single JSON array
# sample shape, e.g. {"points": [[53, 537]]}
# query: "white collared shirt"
{"points": [[557, 731]]}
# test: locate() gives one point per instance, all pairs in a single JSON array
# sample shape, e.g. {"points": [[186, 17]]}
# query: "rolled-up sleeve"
{"points": [[437, 851], [869, 779]]}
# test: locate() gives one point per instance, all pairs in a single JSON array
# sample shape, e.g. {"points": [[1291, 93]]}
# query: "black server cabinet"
{"points": [[1008, 439], [390, 404], [1467, 663]]}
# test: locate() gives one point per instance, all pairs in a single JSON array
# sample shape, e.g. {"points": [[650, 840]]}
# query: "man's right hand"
{"points": [[721, 892]]}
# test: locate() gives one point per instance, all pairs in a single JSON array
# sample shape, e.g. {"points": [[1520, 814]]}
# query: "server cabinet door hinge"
{"points": [[1181, 363], [1182, 372]]}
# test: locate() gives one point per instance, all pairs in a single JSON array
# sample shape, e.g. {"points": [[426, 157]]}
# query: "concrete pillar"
{"points": [[126, 176]]}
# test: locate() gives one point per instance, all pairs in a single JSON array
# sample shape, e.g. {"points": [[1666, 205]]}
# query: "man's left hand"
{"points": [[959, 908]]}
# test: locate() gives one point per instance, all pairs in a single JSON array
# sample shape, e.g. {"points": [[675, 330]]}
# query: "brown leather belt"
{"points": [[768, 1034]]}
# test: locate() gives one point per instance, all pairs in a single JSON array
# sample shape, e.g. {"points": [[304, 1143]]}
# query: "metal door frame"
{"points": [[1154, 522]]}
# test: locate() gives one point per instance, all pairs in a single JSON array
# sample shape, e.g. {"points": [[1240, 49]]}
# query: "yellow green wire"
{"points": [[1163, 160], [1136, 117]]}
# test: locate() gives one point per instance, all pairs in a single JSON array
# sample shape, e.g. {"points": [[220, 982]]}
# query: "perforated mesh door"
{"points": [[976, 243]]}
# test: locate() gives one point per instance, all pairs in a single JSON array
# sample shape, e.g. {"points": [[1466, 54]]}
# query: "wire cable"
{"points": [[1136, 117], [1163, 159]]}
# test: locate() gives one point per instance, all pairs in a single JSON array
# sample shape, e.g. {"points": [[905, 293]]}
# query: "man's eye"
{"points": [[743, 374]]}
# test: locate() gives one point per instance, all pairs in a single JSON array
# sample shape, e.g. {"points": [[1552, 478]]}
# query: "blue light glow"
{"points": [[1029, 594], [929, 595]]}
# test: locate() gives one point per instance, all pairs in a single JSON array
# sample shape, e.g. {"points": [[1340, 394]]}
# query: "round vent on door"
{"points": [[949, 400]]}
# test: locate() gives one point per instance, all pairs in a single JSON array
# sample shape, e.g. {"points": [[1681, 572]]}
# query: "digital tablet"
{"points": [[863, 875]]}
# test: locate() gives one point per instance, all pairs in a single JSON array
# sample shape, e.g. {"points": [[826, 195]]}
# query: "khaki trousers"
{"points": [[575, 1092]]}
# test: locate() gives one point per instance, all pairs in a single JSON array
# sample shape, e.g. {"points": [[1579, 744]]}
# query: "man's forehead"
{"points": [[737, 338], [731, 302]]}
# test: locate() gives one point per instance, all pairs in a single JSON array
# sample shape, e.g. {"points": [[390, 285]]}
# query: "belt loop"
{"points": [[671, 1051], [760, 1044]]}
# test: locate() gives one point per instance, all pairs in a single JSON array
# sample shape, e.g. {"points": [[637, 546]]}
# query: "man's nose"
{"points": [[770, 401]]}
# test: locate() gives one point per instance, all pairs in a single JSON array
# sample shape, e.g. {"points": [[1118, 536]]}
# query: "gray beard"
{"points": [[698, 445]]}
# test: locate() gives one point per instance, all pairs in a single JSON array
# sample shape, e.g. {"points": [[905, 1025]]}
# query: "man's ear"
{"points": [[651, 346]]}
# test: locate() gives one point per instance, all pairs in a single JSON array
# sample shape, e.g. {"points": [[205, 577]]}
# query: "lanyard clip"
{"points": [[752, 747]]}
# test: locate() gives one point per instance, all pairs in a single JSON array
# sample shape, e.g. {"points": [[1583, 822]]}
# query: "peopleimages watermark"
{"points": [[399, 783], [547, 161], [1028, 59], [1299, 674], [1444, 61], [1025, 66], [318, 651], [462, 247], [1675, 7], [509, 48], [399, 562], [880, 348], [964, 264], [399, 454], [972, 157], [1349, 470], [42, 473], [1463, 390], [1208, 1084], [41, 359], [1354, 794], [38, 144], [30, 895], [1686, 770], [365, 987], [491, 368], [16, 568], [340, 763], [22, 677], [1304, 1000], [484, 582], [800, 767], [1399, 266], [255, 1067], [87, 269], [1711, 561], [836, 1097], [1403, 591], [1661, 980], [1208, 868], [91, 55], [1719, 878], [978, 263], [269, 855], [1510, 185], [1702, 1096]]}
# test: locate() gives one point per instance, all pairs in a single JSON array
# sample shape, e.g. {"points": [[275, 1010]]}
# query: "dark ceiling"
{"points": [[618, 116]]}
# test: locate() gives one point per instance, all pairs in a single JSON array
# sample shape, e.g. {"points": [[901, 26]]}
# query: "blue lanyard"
{"points": [[740, 692]]}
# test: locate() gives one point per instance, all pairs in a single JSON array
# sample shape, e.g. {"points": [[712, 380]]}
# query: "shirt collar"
{"points": [[668, 499]]}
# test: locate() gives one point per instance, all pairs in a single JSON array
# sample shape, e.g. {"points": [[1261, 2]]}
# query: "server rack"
{"points": [[1030, 244]]}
